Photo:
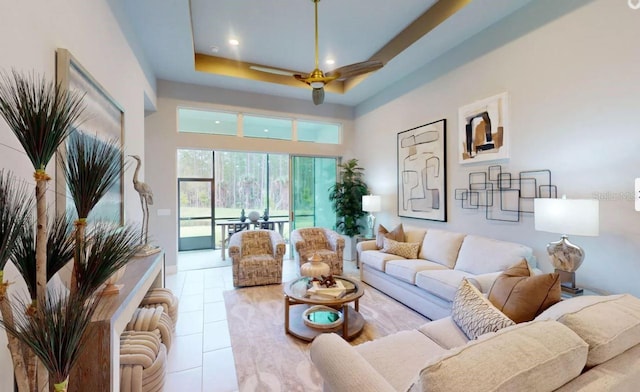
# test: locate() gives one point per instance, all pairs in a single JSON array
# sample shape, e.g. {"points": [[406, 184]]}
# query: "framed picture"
{"points": [[422, 180], [103, 119], [483, 130]]}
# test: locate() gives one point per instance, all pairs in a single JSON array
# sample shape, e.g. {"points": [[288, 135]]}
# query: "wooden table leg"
{"points": [[286, 314], [224, 240], [345, 322], [357, 305]]}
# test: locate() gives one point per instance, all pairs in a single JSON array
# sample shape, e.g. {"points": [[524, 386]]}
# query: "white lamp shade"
{"points": [[371, 203], [567, 216]]}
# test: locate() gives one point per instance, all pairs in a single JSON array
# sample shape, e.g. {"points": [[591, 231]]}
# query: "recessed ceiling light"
{"points": [[214, 49], [266, 130], [217, 121], [330, 61], [234, 42]]}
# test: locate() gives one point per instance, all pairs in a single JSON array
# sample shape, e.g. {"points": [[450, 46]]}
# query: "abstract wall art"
{"points": [[483, 130], [422, 184], [104, 120], [505, 196]]}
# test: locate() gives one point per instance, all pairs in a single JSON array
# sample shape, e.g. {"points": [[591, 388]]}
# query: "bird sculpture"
{"points": [[146, 199]]}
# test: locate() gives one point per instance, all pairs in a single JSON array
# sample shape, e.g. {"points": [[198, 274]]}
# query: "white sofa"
{"points": [[429, 283], [586, 343]]}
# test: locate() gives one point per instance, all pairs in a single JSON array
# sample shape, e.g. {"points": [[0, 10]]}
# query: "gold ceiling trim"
{"points": [[429, 20]]}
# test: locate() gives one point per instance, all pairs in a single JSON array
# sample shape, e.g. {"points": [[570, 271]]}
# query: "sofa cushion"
{"points": [[396, 234], [474, 314], [521, 296], [441, 246], [400, 356], [536, 356], [408, 250], [406, 269], [441, 283], [480, 255], [445, 332], [414, 235], [609, 324], [256, 243], [377, 259]]}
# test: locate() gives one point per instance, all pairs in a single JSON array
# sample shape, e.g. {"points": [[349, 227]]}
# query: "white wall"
{"points": [[30, 32], [571, 69], [162, 140]]}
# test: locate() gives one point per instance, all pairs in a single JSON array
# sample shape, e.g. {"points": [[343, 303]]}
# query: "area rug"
{"points": [[267, 359]]}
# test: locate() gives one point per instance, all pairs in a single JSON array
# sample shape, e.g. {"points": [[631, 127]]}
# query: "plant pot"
{"points": [[350, 251]]}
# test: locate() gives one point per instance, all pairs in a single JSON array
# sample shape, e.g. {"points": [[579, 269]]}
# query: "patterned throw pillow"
{"points": [[397, 234], [522, 297], [408, 250], [474, 314]]}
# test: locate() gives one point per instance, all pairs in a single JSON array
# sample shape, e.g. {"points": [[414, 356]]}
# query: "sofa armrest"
{"points": [[367, 245], [343, 368]]}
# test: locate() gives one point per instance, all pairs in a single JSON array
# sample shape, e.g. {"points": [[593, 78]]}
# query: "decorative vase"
{"points": [[243, 217], [254, 216], [266, 214], [315, 267]]}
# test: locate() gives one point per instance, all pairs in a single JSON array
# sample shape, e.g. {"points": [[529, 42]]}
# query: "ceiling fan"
{"points": [[318, 79]]}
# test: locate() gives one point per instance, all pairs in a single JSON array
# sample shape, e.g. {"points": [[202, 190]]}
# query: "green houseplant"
{"points": [[346, 198]]}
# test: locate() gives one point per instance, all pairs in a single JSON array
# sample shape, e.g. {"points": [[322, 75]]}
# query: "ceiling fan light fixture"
{"points": [[317, 95]]}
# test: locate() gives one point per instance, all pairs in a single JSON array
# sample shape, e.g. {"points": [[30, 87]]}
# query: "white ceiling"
{"points": [[280, 33]]}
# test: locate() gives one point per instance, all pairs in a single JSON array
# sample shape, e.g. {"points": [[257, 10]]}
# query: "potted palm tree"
{"points": [[346, 200], [51, 325]]}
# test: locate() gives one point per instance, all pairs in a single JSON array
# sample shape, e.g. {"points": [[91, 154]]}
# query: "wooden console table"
{"points": [[98, 367]]}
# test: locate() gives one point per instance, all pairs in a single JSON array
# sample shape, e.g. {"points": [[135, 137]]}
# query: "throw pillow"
{"points": [[522, 297], [397, 234], [474, 314], [408, 250]]}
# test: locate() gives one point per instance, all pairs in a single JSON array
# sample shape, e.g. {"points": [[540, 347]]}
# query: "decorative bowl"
{"points": [[322, 317]]}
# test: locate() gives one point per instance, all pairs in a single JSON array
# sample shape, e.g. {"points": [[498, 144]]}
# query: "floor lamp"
{"points": [[370, 204], [567, 217]]}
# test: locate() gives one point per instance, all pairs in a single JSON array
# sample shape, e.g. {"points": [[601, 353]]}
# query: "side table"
{"points": [[566, 295], [360, 238]]}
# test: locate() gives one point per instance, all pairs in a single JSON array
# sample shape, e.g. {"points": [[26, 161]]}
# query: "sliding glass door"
{"points": [[311, 178], [195, 211]]}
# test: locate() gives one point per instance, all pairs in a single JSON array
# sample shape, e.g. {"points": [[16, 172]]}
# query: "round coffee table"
{"points": [[295, 293]]}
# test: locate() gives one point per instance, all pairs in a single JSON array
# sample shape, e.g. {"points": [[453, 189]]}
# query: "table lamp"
{"points": [[371, 203], [567, 217]]}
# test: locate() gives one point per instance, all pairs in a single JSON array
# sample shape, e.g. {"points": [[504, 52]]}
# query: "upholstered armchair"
{"points": [[257, 257], [326, 243]]}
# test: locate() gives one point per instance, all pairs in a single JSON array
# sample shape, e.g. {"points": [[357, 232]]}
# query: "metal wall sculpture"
{"points": [[503, 196]]}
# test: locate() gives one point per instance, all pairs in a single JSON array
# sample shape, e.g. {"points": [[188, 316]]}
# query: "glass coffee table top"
{"points": [[297, 290]]}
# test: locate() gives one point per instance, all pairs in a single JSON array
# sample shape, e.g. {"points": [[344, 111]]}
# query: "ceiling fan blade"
{"points": [[349, 71], [318, 95], [275, 71]]}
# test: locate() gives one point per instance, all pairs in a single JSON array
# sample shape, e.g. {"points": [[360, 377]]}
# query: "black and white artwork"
{"points": [[422, 184]]}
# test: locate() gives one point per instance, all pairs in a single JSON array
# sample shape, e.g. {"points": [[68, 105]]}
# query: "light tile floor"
{"points": [[201, 359]]}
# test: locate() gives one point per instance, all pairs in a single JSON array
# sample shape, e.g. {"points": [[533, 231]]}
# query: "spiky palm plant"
{"points": [[41, 116], [109, 249], [15, 207], [60, 249], [54, 332], [92, 167]]}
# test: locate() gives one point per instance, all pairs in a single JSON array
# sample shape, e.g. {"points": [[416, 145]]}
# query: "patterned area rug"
{"points": [[269, 360]]}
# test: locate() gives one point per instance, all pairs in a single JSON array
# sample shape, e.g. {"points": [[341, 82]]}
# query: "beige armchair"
{"points": [[326, 243], [257, 257]]}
